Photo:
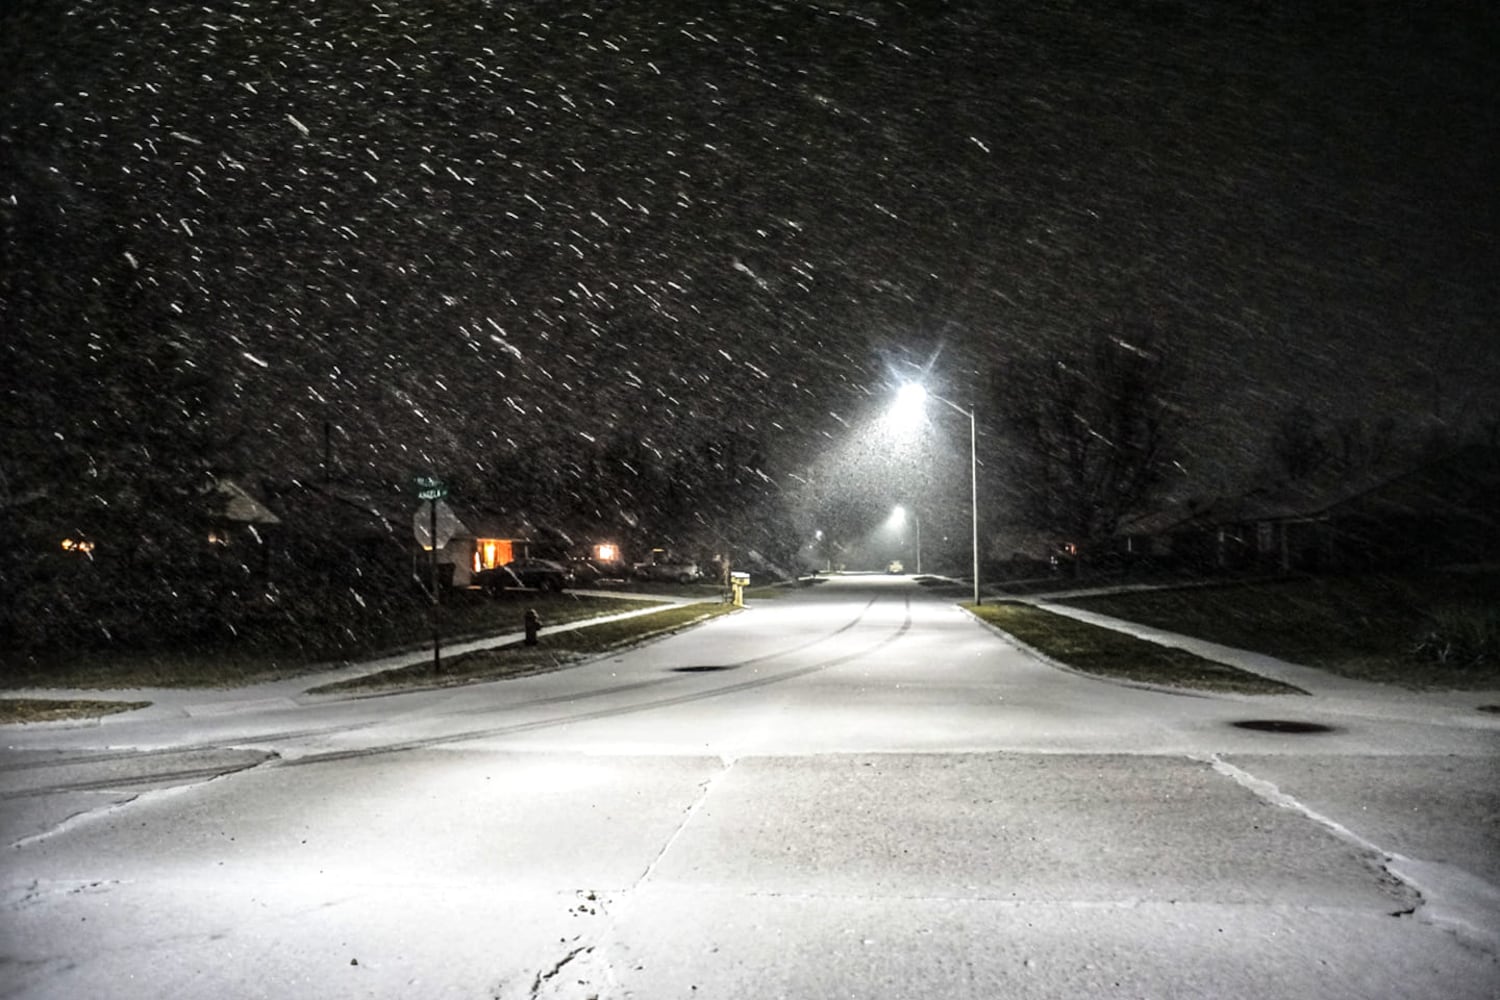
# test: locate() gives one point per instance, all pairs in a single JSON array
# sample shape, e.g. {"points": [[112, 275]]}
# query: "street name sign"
{"points": [[430, 488]]}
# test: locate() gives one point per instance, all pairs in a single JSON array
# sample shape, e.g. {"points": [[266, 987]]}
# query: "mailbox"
{"points": [[739, 581]]}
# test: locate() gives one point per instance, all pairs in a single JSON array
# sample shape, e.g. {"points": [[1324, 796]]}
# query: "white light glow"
{"points": [[911, 400]]}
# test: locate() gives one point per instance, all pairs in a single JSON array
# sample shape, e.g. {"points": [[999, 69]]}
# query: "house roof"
{"points": [[1464, 482], [241, 507], [1158, 522], [336, 511], [478, 522]]}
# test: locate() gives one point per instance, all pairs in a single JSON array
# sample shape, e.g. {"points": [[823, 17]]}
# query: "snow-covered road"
{"points": [[855, 790]]}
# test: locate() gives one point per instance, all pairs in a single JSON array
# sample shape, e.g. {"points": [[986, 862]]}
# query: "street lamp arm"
{"points": [[952, 405]]}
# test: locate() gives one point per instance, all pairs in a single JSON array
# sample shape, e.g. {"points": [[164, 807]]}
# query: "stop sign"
{"points": [[422, 524]]}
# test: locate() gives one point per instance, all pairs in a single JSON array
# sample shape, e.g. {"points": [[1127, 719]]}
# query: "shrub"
{"points": [[1464, 635]]}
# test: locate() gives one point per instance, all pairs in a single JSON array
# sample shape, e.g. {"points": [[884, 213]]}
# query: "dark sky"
{"points": [[448, 227]]}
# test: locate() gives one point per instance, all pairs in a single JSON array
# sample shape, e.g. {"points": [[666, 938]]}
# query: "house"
{"points": [[238, 512], [1443, 511], [241, 524], [338, 533], [1439, 512], [220, 514], [482, 540]]}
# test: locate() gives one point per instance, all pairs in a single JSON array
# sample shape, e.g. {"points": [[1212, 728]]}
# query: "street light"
{"points": [[909, 400], [899, 515]]}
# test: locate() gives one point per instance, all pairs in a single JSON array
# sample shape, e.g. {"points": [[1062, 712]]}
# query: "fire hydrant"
{"points": [[533, 624]]}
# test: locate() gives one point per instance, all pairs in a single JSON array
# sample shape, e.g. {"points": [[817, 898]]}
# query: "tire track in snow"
{"points": [[261, 741], [621, 710]]}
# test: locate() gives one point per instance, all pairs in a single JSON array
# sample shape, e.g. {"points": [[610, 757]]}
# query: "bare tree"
{"points": [[1297, 449], [1362, 444], [1301, 445], [1090, 431]]}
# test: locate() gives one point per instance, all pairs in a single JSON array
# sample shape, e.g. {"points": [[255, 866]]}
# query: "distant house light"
{"points": [[77, 545], [606, 552]]}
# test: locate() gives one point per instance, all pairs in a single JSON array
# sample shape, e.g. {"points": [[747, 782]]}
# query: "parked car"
{"points": [[674, 570], [590, 573], [535, 574], [585, 571]]}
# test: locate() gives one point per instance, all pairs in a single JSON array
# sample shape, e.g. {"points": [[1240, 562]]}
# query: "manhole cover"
{"points": [[1281, 726], [1490, 708], [701, 670]]}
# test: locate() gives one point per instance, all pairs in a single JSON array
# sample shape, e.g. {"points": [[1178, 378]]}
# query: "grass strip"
{"points": [[285, 655], [769, 593], [553, 651], [1106, 653], [1364, 627], [24, 710]]}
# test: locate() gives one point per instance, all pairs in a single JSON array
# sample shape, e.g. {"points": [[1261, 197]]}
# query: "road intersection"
{"points": [[854, 790]]}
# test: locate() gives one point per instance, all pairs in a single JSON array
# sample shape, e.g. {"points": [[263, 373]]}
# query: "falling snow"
{"points": [[681, 224]]}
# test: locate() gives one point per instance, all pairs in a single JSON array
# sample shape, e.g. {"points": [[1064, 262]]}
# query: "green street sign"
{"points": [[430, 488]]}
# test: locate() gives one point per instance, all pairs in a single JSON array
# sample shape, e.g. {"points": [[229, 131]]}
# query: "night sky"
{"points": [[451, 229]]}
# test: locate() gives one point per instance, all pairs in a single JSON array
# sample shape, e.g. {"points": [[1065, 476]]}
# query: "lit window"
{"points": [[491, 552], [606, 552]]}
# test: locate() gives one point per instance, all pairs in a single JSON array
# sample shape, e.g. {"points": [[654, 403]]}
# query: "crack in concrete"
{"points": [[591, 974], [39, 892], [706, 788], [1446, 896], [199, 776], [546, 976], [76, 820], [208, 771]]}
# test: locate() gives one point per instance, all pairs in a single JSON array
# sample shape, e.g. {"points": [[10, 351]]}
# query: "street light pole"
{"points": [[917, 520], [974, 497], [911, 395]]}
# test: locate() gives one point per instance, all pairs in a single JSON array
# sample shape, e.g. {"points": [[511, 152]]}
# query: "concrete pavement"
{"points": [[854, 791]]}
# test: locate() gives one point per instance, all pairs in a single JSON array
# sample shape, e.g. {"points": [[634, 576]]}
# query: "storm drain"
{"points": [[1281, 726], [1490, 708], [704, 669]]}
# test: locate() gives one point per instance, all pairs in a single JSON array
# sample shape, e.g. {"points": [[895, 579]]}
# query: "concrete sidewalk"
{"points": [[1345, 693], [1362, 697]]}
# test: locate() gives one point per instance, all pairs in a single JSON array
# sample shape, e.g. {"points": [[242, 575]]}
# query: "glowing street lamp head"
{"points": [[911, 399]]}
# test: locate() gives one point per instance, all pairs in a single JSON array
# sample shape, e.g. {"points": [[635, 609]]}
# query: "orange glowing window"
{"points": [[492, 552], [606, 552]]}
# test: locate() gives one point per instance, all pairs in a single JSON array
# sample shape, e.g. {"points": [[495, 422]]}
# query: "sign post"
{"points": [[431, 490]]}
